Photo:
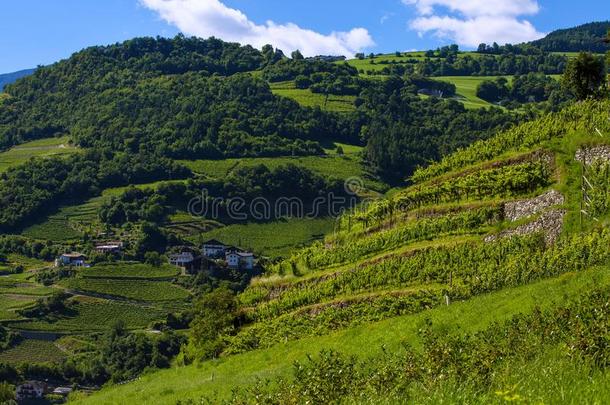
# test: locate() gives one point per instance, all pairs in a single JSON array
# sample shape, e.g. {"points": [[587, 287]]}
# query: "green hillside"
{"points": [[486, 244]]}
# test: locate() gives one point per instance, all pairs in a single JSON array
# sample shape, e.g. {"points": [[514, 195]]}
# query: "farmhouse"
{"points": [[214, 249], [30, 390], [183, 259], [71, 259], [238, 259]]}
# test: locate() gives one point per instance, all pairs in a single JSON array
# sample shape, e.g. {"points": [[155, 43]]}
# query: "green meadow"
{"points": [[40, 148], [307, 98]]}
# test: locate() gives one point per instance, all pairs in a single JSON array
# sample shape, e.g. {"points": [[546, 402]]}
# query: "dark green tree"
{"points": [[585, 76], [214, 315]]}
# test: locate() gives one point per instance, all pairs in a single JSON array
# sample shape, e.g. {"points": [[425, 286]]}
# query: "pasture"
{"points": [[40, 148], [307, 98]]}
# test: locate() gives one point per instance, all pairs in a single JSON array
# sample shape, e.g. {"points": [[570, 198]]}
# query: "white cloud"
{"points": [[471, 22], [205, 18]]}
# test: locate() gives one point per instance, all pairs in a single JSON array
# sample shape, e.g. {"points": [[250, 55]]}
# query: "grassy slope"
{"points": [[39, 148], [217, 378], [307, 98]]}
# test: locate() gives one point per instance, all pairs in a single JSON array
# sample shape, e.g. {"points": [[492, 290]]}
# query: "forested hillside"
{"points": [[586, 37], [8, 78]]}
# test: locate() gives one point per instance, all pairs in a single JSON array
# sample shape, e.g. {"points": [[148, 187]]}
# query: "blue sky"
{"points": [[36, 32]]}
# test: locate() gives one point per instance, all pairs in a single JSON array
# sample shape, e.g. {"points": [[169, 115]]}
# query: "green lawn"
{"points": [[466, 88], [272, 239], [217, 378], [307, 98], [39, 148]]}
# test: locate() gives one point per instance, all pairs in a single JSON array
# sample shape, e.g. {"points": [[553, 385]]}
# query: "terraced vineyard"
{"points": [[486, 244], [88, 315], [137, 290]]}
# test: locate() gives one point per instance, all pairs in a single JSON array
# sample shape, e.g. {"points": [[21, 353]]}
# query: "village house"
{"points": [[71, 259], [214, 249], [30, 390], [109, 247], [182, 260], [237, 259]]}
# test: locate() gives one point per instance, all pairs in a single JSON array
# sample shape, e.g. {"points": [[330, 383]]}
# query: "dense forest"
{"points": [[584, 38]]}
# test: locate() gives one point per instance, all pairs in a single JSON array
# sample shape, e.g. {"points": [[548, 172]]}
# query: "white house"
{"points": [[239, 260], [214, 249], [30, 390], [71, 259], [183, 259]]}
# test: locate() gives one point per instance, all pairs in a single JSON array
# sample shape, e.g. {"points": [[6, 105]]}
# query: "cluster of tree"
{"points": [[29, 248], [403, 131], [32, 188], [493, 65], [586, 76], [114, 357], [318, 75], [248, 183], [8, 338], [532, 87]]}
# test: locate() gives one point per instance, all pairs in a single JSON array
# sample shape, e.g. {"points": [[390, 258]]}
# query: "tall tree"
{"points": [[585, 76]]}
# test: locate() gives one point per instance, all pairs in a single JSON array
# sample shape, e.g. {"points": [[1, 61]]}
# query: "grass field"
{"points": [[130, 271], [39, 148], [32, 351], [96, 315], [466, 88], [307, 98], [139, 290], [217, 378], [272, 239]]}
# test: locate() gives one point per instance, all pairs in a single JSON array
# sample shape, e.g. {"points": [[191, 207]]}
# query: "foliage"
{"points": [[585, 76], [214, 315], [585, 37]]}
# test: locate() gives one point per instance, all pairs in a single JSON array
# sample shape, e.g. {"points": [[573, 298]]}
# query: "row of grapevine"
{"points": [[475, 267], [585, 116], [318, 256]]}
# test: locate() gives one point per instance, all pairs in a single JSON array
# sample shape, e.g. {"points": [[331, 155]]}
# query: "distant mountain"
{"points": [[586, 37], [9, 78]]}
